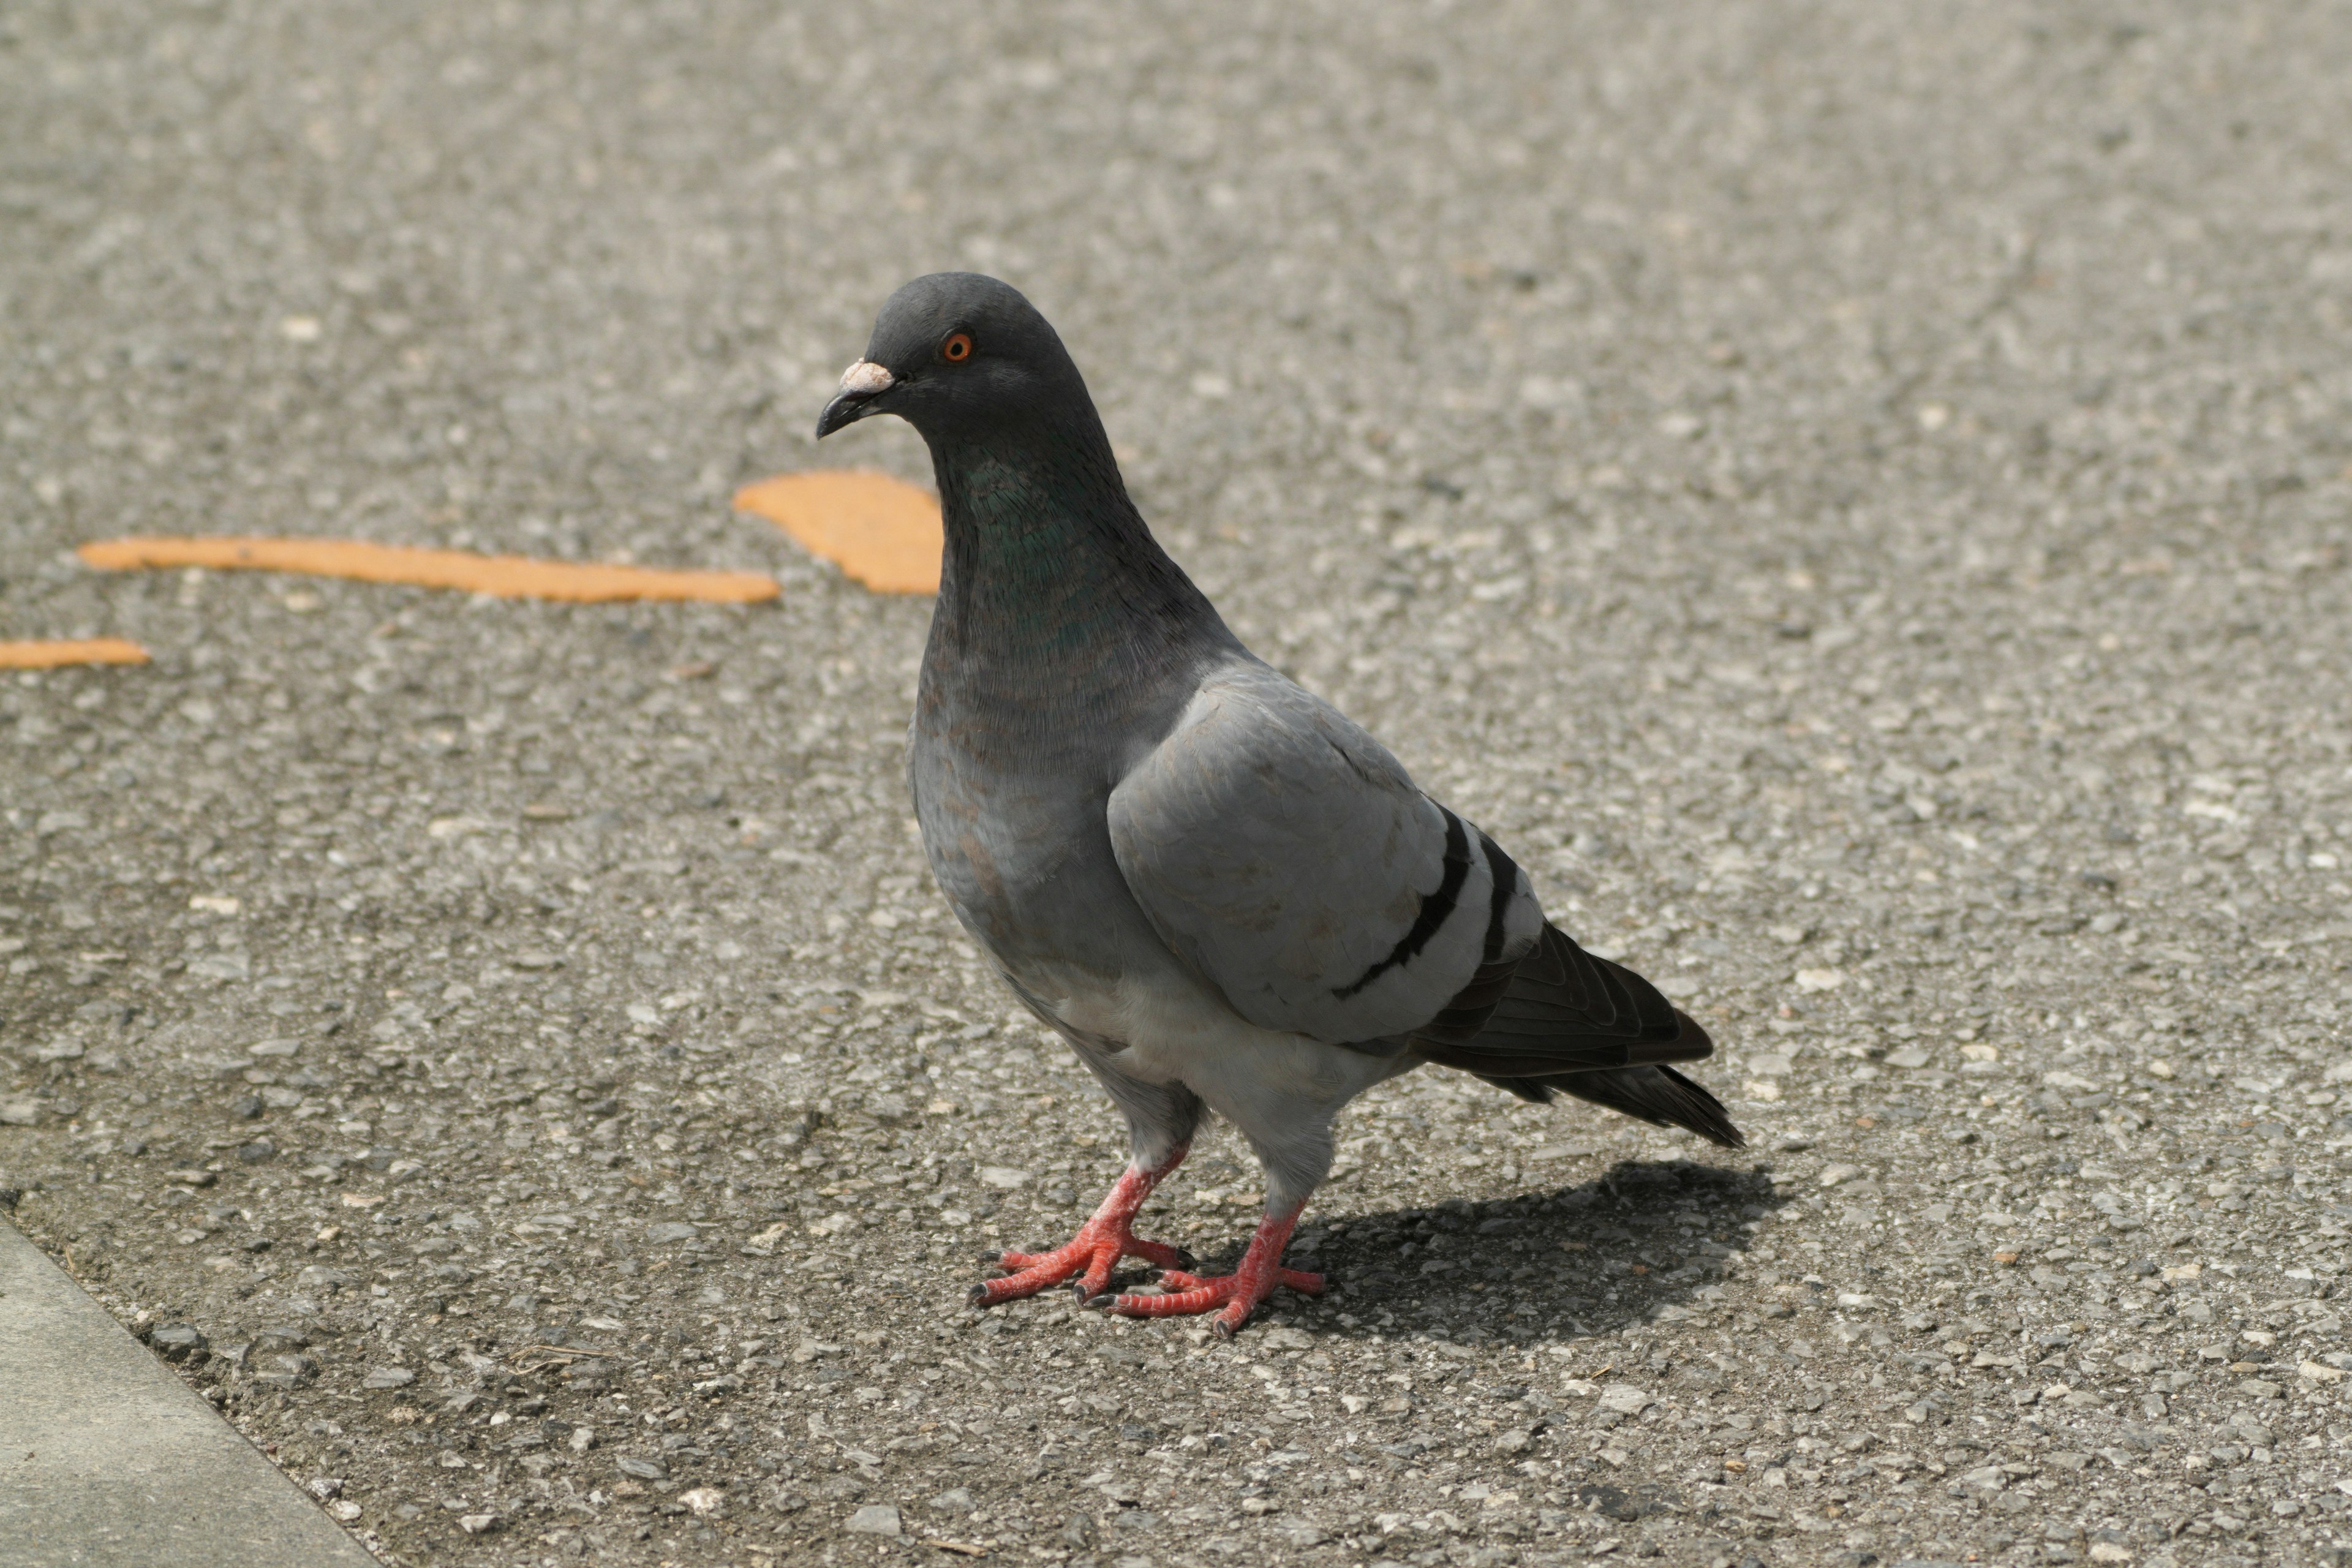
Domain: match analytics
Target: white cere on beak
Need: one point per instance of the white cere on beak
(866, 379)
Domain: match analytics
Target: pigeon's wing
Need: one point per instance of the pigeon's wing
(1287, 857)
(1283, 855)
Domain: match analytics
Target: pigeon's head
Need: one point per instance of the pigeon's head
(957, 353)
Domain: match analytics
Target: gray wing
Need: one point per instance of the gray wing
(1285, 855)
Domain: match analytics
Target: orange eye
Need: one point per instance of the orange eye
(957, 349)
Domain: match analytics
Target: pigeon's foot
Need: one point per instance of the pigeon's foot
(1095, 1250)
(1232, 1297)
(1089, 1257)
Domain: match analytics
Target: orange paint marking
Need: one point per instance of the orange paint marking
(56, 654)
(881, 531)
(508, 576)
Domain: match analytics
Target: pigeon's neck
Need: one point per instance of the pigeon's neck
(1052, 590)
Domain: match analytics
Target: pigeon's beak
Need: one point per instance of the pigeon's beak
(861, 384)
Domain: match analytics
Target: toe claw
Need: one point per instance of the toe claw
(1102, 1303)
(977, 1296)
(1222, 1329)
(1184, 1259)
(994, 1255)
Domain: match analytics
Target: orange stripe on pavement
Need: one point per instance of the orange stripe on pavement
(508, 576)
(82, 650)
(881, 531)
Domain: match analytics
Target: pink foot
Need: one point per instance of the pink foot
(1232, 1297)
(1095, 1250)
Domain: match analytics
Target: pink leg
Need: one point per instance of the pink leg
(1095, 1250)
(1238, 1293)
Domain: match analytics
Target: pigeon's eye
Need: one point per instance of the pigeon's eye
(957, 349)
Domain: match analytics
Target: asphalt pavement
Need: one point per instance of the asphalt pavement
(1855, 497)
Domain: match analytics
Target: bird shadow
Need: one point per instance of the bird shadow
(1643, 1241)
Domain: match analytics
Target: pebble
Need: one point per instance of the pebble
(875, 1519)
(1624, 1399)
(177, 1342)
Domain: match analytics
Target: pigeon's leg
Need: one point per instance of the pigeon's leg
(1098, 1247)
(1232, 1297)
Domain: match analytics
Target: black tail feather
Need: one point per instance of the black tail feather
(1571, 1023)
(1659, 1096)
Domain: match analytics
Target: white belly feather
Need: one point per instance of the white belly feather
(1281, 1090)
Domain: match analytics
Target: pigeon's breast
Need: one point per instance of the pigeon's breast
(1021, 847)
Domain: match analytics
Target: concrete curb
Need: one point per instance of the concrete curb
(107, 1459)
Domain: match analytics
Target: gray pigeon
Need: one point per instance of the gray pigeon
(1223, 894)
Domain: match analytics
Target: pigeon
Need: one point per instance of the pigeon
(1225, 896)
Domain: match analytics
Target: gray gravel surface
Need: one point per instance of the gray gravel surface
(1854, 495)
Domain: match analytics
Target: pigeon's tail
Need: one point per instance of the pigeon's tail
(1569, 1021)
(1659, 1096)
